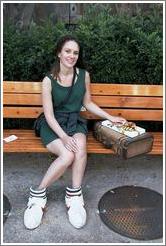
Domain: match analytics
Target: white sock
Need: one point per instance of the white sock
(73, 191)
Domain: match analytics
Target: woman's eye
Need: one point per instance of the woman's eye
(69, 51)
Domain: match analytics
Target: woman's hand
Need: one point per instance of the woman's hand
(117, 120)
(70, 143)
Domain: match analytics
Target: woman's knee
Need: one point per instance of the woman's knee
(67, 157)
(82, 149)
(59, 150)
(81, 154)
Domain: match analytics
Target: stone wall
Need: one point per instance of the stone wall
(25, 13)
(22, 14)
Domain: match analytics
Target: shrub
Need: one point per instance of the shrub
(28, 53)
(117, 48)
(121, 48)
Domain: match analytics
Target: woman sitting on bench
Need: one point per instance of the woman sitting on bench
(64, 131)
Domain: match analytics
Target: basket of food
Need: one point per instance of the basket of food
(127, 140)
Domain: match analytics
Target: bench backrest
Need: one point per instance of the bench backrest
(134, 102)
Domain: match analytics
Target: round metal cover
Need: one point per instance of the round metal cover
(133, 211)
(6, 208)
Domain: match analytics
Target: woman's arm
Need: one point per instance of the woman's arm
(95, 109)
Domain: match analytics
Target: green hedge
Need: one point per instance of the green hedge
(117, 48)
(29, 53)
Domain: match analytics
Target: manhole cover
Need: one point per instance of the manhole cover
(6, 208)
(133, 211)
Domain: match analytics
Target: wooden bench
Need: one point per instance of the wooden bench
(134, 102)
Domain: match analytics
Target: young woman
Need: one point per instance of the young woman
(64, 131)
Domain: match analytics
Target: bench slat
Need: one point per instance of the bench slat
(102, 101)
(127, 89)
(130, 114)
(96, 88)
(27, 142)
(128, 101)
(22, 99)
(22, 87)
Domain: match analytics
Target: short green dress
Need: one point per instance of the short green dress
(67, 115)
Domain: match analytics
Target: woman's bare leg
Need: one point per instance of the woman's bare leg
(38, 199)
(58, 167)
(79, 163)
(74, 197)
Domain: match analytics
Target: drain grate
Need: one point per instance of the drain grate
(135, 212)
(6, 208)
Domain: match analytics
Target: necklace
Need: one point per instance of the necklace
(66, 80)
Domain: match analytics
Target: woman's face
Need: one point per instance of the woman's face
(69, 54)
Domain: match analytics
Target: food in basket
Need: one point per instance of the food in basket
(130, 129)
(128, 126)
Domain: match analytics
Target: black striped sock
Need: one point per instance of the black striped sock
(73, 191)
(38, 193)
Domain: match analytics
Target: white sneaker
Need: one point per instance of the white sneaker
(34, 212)
(76, 211)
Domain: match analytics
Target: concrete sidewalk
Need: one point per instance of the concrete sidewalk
(103, 173)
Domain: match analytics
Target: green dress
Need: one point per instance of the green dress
(68, 115)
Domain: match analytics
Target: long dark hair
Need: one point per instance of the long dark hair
(61, 42)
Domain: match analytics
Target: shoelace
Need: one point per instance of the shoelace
(31, 205)
(34, 202)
